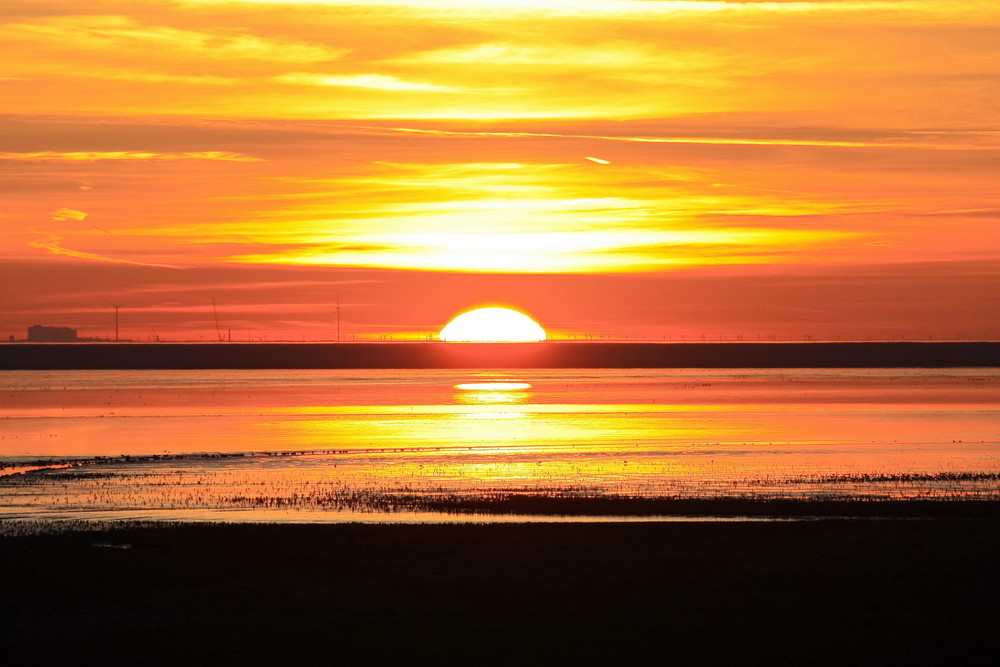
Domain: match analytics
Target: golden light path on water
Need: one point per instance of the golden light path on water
(331, 445)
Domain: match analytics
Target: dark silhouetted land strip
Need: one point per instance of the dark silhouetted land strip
(550, 354)
(531, 504)
(817, 592)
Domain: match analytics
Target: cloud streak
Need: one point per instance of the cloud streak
(372, 81)
(97, 156)
(52, 244)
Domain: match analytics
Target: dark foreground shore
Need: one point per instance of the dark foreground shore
(809, 592)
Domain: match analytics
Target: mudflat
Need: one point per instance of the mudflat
(831, 591)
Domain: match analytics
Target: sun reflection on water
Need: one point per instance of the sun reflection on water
(347, 441)
(493, 387)
(493, 398)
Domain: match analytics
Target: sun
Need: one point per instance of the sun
(493, 325)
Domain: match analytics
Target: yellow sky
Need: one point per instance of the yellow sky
(612, 137)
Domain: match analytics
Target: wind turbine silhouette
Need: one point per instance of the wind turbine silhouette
(215, 314)
(116, 306)
(338, 316)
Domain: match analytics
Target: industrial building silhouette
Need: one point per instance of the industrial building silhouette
(43, 334)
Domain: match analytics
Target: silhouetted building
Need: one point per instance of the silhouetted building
(40, 334)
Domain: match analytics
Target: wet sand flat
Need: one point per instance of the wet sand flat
(830, 591)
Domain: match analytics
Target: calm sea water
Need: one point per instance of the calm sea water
(362, 445)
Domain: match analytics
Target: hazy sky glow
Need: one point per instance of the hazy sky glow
(614, 167)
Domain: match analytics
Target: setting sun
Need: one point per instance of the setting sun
(493, 325)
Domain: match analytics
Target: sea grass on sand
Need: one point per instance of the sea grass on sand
(807, 592)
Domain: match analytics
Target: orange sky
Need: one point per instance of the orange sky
(615, 168)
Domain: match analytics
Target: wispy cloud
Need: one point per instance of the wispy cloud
(631, 8)
(986, 140)
(64, 214)
(52, 244)
(108, 34)
(95, 156)
(373, 81)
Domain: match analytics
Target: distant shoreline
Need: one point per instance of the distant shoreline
(549, 354)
